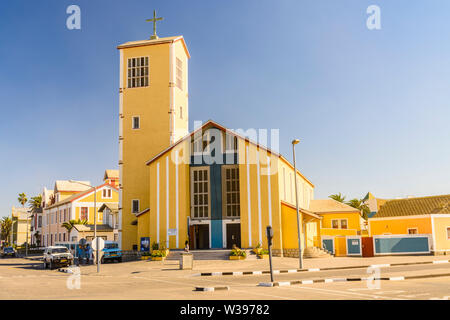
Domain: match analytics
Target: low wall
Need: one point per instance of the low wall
(402, 244)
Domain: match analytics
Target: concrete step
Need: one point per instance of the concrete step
(314, 252)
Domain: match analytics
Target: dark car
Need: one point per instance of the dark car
(8, 252)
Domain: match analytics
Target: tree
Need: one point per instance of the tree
(6, 227)
(361, 206)
(22, 199)
(35, 202)
(69, 225)
(338, 197)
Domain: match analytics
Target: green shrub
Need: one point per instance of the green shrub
(159, 253)
(238, 252)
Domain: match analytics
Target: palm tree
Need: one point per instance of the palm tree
(338, 197)
(6, 227)
(70, 224)
(22, 199)
(361, 206)
(35, 202)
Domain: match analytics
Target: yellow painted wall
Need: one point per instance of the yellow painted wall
(258, 229)
(353, 224)
(286, 191)
(440, 228)
(399, 226)
(289, 227)
(183, 199)
(65, 194)
(89, 200)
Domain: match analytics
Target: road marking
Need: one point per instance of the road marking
(380, 265)
(441, 261)
(396, 278)
(344, 293)
(314, 269)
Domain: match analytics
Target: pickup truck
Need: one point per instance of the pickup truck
(56, 257)
(111, 252)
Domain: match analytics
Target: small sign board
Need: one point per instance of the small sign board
(355, 242)
(101, 243)
(145, 244)
(172, 232)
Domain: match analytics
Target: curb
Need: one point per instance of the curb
(330, 280)
(244, 273)
(212, 288)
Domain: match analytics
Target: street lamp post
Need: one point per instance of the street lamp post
(95, 222)
(294, 142)
(26, 244)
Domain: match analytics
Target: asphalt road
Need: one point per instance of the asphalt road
(25, 279)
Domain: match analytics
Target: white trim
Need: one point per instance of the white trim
(433, 234)
(176, 198)
(258, 177)
(157, 202)
(167, 202)
(249, 202)
(405, 217)
(269, 190)
(172, 93)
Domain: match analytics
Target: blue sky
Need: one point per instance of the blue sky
(371, 107)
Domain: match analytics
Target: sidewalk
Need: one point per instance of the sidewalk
(311, 263)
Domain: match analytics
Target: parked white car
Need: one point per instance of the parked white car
(57, 257)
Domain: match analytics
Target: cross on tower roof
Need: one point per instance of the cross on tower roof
(154, 20)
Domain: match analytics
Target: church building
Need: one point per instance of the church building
(213, 187)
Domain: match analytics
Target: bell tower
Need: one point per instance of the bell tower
(153, 114)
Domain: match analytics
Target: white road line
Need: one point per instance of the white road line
(380, 265)
(441, 261)
(396, 278)
(284, 283)
(343, 293)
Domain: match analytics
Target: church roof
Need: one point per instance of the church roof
(329, 206)
(211, 123)
(141, 43)
(415, 206)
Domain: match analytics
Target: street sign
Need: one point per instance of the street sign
(101, 243)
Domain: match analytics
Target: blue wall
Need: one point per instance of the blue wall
(215, 175)
(401, 245)
(354, 248)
